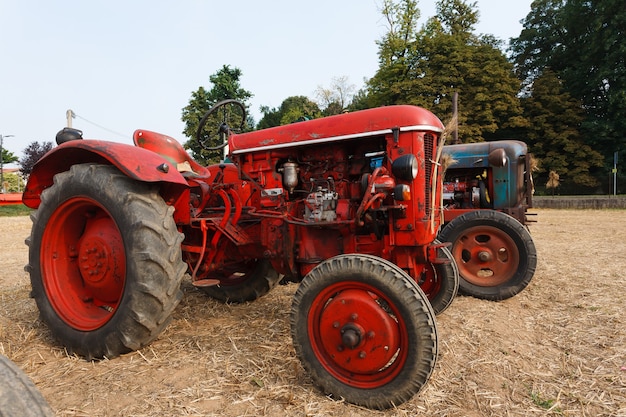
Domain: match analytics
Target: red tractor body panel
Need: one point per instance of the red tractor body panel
(140, 164)
(337, 128)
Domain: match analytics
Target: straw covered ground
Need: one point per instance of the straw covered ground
(556, 349)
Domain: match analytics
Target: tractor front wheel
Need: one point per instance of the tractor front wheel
(105, 261)
(364, 331)
(440, 281)
(494, 252)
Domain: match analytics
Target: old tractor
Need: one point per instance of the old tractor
(347, 206)
(487, 192)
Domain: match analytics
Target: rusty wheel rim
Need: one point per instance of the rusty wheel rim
(486, 256)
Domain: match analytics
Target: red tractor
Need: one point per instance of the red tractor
(347, 206)
(487, 191)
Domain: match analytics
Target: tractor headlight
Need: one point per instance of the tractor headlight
(497, 157)
(405, 167)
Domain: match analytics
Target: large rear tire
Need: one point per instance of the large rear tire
(19, 397)
(104, 261)
(364, 331)
(494, 252)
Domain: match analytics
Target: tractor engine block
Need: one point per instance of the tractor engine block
(462, 193)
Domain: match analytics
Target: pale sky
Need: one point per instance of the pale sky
(133, 64)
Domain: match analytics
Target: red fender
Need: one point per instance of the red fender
(137, 163)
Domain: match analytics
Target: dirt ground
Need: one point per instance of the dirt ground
(556, 349)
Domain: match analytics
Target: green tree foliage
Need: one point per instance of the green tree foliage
(33, 153)
(554, 136)
(582, 41)
(13, 183)
(428, 66)
(8, 156)
(360, 100)
(226, 85)
(292, 109)
(541, 39)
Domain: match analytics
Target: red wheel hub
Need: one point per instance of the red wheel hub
(357, 335)
(100, 248)
(83, 264)
(488, 256)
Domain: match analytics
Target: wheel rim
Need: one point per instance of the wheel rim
(429, 281)
(486, 256)
(357, 334)
(83, 264)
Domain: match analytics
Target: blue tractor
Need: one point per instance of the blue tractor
(487, 193)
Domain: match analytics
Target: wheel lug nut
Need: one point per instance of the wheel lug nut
(362, 355)
(484, 256)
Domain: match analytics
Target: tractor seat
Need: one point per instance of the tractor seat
(170, 149)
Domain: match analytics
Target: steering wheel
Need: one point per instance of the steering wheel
(222, 115)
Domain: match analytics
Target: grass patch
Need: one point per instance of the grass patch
(544, 403)
(14, 210)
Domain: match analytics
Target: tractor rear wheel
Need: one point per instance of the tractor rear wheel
(364, 331)
(494, 252)
(105, 261)
(250, 281)
(440, 282)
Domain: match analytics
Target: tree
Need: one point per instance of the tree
(33, 153)
(13, 182)
(582, 42)
(336, 98)
(555, 137)
(8, 156)
(292, 109)
(428, 66)
(541, 39)
(225, 86)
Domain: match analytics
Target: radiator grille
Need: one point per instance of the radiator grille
(429, 141)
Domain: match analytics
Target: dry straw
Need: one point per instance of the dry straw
(556, 349)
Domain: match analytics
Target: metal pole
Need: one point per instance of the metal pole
(455, 114)
(615, 173)
(69, 115)
(2, 161)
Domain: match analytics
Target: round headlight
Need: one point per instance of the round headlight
(405, 167)
(497, 157)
